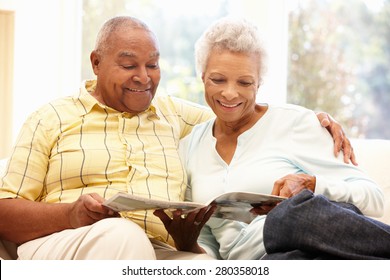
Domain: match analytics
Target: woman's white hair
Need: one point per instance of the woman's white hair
(232, 34)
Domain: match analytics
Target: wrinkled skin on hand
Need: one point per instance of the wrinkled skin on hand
(293, 184)
(288, 186)
(88, 209)
(341, 142)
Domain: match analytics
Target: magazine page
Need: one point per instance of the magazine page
(128, 202)
(232, 205)
(237, 205)
(245, 198)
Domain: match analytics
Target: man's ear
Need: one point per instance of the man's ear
(95, 61)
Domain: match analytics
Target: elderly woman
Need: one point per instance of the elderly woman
(265, 148)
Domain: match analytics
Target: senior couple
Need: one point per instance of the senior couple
(116, 135)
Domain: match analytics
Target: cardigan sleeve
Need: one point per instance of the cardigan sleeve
(312, 149)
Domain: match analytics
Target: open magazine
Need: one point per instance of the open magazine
(231, 205)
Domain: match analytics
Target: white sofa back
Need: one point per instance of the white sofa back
(373, 156)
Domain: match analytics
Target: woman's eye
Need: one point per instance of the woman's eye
(245, 84)
(153, 66)
(128, 67)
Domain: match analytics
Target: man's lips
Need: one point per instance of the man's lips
(138, 90)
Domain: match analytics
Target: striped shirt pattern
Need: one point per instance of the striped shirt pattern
(75, 145)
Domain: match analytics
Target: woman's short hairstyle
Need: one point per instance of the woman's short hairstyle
(232, 34)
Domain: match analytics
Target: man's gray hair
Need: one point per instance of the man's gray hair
(114, 24)
(232, 34)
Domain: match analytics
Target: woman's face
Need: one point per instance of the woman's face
(231, 81)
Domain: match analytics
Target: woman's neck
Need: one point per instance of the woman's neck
(227, 134)
(240, 126)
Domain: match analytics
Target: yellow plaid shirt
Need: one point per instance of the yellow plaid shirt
(76, 145)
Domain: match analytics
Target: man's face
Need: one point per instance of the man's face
(128, 72)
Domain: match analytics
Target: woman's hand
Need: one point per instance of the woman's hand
(341, 142)
(293, 184)
(262, 209)
(288, 186)
(185, 228)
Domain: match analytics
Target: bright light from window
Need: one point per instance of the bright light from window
(196, 8)
(374, 5)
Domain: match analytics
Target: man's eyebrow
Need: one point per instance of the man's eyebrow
(131, 54)
(127, 54)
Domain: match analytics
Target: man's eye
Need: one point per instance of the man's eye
(128, 67)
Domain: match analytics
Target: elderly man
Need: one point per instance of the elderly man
(113, 136)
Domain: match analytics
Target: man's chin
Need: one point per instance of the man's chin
(138, 104)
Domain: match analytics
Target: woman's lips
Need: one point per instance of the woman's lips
(229, 105)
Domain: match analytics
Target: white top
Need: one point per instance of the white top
(288, 139)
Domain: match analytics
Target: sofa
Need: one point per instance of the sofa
(373, 156)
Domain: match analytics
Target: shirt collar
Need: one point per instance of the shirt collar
(86, 102)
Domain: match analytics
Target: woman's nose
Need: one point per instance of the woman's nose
(229, 92)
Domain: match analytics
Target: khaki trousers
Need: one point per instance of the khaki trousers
(108, 239)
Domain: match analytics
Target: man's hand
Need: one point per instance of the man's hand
(341, 142)
(23, 220)
(87, 210)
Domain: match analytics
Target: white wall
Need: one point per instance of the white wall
(47, 53)
(7, 19)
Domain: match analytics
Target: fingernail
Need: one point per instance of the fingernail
(324, 122)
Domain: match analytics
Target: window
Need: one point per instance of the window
(338, 62)
(327, 55)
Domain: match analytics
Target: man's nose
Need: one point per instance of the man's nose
(142, 76)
